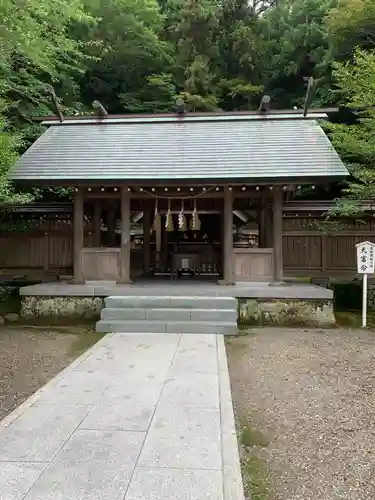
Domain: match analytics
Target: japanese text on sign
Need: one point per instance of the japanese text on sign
(366, 258)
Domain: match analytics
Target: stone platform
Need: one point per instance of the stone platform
(259, 303)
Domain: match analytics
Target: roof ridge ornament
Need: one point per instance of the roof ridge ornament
(265, 104)
(56, 103)
(180, 106)
(309, 93)
(100, 109)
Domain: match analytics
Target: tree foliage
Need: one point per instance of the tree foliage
(356, 83)
(138, 56)
(36, 50)
(350, 24)
(130, 58)
(296, 47)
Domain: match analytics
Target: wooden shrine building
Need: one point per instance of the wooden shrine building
(180, 186)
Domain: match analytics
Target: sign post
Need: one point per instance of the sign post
(365, 266)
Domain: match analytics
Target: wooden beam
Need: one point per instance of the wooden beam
(239, 193)
(125, 238)
(78, 228)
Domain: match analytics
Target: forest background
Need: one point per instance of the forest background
(138, 56)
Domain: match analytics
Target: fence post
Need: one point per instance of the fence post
(46, 257)
(324, 252)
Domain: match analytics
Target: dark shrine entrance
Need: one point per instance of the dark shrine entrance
(188, 251)
(165, 242)
(195, 233)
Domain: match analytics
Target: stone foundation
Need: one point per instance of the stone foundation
(284, 312)
(251, 311)
(61, 307)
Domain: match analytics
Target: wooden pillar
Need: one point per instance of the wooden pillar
(164, 249)
(97, 222)
(111, 223)
(262, 221)
(158, 230)
(277, 206)
(125, 237)
(269, 226)
(78, 236)
(228, 237)
(146, 239)
(46, 248)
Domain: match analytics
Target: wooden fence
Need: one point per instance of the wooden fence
(309, 251)
(47, 249)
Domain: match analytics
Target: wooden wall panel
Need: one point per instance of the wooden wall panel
(252, 264)
(48, 249)
(302, 251)
(60, 251)
(22, 251)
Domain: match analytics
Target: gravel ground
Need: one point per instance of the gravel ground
(311, 393)
(30, 357)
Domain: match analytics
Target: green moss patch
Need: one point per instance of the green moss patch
(257, 483)
(252, 437)
(256, 476)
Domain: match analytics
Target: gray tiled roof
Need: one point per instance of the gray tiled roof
(246, 149)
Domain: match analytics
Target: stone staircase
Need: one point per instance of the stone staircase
(163, 314)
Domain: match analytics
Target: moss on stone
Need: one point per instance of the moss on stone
(286, 312)
(61, 307)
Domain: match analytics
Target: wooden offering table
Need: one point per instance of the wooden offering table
(185, 263)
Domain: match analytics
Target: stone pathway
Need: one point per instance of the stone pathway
(137, 417)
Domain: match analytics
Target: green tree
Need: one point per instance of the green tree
(36, 50)
(195, 54)
(241, 57)
(351, 25)
(132, 62)
(8, 156)
(355, 143)
(295, 34)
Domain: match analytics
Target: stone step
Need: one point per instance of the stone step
(137, 302)
(169, 314)
(147, 326)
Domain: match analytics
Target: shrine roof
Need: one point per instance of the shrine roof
(248, 147)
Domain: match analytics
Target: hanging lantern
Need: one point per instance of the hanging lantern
(195, 223)
(182, 218)
(169, 219)
(156, 226)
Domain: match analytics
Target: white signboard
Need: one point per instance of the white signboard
(365, 266)
(366, 257)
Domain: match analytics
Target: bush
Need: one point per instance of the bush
(347, 296)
